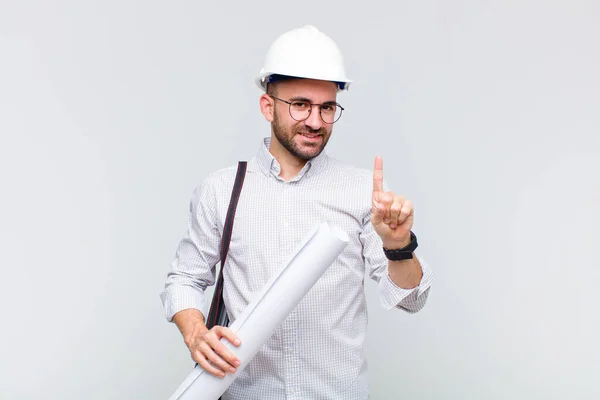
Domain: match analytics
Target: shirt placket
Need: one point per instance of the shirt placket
(290, 326)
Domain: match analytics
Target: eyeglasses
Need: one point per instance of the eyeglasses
(300, 110)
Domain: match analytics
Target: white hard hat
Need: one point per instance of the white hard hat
(304, 53)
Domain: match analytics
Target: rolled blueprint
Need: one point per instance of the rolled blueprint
(279, 296)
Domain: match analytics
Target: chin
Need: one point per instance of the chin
(309, 152)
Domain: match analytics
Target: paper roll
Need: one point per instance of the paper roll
(279, 296)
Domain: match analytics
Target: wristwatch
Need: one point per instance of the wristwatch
(405, 253)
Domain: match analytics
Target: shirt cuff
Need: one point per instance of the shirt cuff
(411, 300)
(181, 298)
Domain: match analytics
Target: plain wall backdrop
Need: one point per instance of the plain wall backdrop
(486, 114)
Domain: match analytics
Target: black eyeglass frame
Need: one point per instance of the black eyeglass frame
(310, 109)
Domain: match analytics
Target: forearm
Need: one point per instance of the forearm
(406, 274)
(190, 322)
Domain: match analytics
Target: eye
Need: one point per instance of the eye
(300, 105)
(328, 107)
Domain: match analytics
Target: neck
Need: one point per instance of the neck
(290, 164)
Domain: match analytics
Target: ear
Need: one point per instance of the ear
(266, 107)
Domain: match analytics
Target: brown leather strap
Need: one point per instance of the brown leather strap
(217, 314)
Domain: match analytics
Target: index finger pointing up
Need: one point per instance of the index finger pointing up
(378, 175)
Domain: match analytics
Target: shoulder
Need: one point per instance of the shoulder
(349, 173)
(216, 184)
(356, 176)
(221, 176)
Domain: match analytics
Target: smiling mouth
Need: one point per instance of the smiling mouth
(310, 135)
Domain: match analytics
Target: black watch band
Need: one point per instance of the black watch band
(405, 253)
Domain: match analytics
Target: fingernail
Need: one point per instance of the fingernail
(222, 376)
(386, 220)
(392, 226)
(232, 370)
(237, 342)
(236, 363)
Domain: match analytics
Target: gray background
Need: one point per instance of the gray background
(486, 114)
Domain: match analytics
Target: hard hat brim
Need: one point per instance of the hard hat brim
(263, 78)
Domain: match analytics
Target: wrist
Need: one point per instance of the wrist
(400, 250)
(189, 321)
(398, 243)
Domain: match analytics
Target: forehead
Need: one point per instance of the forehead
(312, 89)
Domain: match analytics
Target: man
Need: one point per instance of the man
(290, 186)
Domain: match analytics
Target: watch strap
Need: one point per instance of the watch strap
(405, 253)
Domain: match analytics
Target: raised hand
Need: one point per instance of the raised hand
(392, 215)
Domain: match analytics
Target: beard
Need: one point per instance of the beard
(286, 137)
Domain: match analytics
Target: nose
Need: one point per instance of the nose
(314, 119)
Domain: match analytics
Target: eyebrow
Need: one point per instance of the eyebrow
(300, 98)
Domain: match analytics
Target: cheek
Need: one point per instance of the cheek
(285, 123)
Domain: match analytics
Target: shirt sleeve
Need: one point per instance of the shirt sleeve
(193, 268)
(376, 263)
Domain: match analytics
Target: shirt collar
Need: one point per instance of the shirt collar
(270, 165)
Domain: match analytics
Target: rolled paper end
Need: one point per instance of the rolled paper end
(336, 231)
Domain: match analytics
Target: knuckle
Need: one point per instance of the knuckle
(207, 367)
(200, 359)
(219, 333)
(205, 348)
(219, 349)
(193, 343)
(212, 337)
(202, 362)
(227, 331)
(213, 358)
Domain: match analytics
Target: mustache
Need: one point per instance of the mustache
(320, 131)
